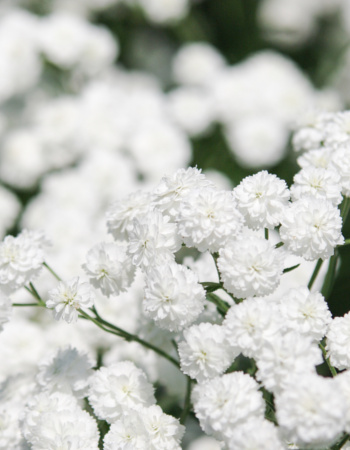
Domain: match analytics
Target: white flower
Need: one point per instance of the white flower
(65, 429)
(338, 342)
(68, 297)
(144, 428)
(224, 402)
(109, 267)
(311, 412)
(255, 433)
(173, 296)
(340, 162)
(164, 431)
(205, 352)
(173, 190)
(343, 381)
(250, 323)
(153, 239)
(121, 214)
(257, 140)
(320, 157)
(317, 183)
(208, 219)
(67, 371)
(311, 228)
(44, 403)
(197, 63)
(21, 259)
(118, 388)
(285, 355)
(127, 433)
(250, 266)
(5, 309)
(262, 198)
(306, 312)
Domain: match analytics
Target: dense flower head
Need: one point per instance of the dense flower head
(338, 342)
(208, 219)
(173, 297)
(311, 412)
(317, 183)
(21, 259)
(250, 266)
(153, 240)
(255, 433)
(173, 190)
(262, 198)
(284, 356)
(56, 421)
(340, 162)
(5, 309)
(118, 388)
(147, 427)
(109, 267)
(205, 352)
(311, 228)
(306, 312)
(67, 371)
(250, 323)
(318, 158)
(224, 402)
(68, 297)
(121, 213)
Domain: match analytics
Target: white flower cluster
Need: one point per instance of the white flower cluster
(258, 101)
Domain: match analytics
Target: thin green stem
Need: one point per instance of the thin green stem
(187, 405)
(34, 293)
(330, 275)
(279, 244)
(266, 233)
(221, 305)
(215, 258)
(131, 337)
(211, 287)
(331, 368)
(52, 271)
(346, 242)
(341, 443)
(26, 304)
(315, 273)
(344, 208)
(289, 269)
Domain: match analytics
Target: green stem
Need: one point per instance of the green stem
(344, 208)
(221, 305)
(329, 279)
(187, 405)
(315, 273)
(266, 233)
(26, 304)
(279, 244)
(35, 294)
(211, 287)
(331, 368)
(346, 242)
(341, 443)
(289, 269)
(52, 271)
(132, 337)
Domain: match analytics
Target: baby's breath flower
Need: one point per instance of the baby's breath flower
(250, 266)
(68, 297)
(109, 267)
(262, 198)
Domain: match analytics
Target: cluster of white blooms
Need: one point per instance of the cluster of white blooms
(68, 297)
(21, 259)
(257, 101)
